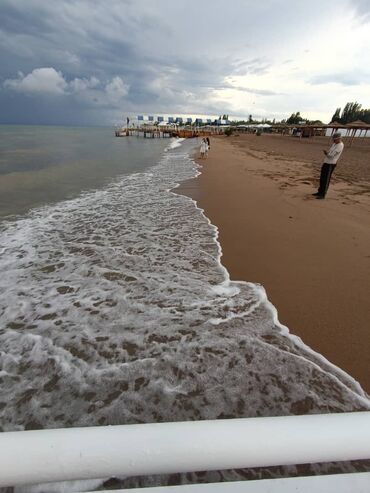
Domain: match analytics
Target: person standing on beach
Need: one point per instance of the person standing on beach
(203, 149)
(332, 156)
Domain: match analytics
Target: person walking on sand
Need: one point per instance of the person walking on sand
(203, 149)
(332, 156)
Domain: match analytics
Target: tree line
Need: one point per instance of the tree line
(351, 112)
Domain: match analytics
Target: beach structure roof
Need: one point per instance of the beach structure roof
(358, 123)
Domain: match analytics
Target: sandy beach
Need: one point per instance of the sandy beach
(312, 257)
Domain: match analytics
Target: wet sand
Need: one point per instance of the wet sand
(312, 256)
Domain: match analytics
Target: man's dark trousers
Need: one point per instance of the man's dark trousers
(326, 172)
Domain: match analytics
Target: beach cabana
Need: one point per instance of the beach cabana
(355, 129)
(359, 125)
(335, 126)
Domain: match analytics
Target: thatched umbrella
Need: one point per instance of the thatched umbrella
(358, 125)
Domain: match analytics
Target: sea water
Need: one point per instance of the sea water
(115, 307)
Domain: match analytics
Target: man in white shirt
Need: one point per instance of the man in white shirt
(332, 156)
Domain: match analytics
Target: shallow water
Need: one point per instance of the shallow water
(115, 309)
(44, 164)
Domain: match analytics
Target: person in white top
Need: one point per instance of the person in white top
(203, 149)
(332, 156)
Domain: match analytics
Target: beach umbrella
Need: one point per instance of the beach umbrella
(358, 125)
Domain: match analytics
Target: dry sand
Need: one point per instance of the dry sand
(312, 256)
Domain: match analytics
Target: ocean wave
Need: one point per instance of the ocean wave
(174, 144)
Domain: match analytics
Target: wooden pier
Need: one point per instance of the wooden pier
(154, 132)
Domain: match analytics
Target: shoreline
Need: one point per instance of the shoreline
(272, 232)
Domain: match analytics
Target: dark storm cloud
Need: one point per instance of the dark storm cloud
(174, 63)
(84, 39)
(102, 59)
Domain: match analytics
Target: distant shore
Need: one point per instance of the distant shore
(311, 256)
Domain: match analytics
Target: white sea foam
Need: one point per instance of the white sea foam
(175, 143)
(116, 309)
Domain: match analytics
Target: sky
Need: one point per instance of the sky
(94, 62)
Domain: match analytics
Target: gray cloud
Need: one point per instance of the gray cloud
(345, 79)
(260, 92)
(362, 8)
(59, 47)
(259, 65)
(92, 61)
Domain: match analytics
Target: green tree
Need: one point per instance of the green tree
(336, 116)
(295, 119)
(351, 112)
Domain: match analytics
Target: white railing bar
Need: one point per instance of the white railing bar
(28, 457)
(333, 483)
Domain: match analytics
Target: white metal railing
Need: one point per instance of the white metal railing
(101, 452)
